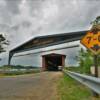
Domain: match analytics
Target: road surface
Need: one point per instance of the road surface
(41, 86)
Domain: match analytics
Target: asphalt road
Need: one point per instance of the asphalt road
(41, 86)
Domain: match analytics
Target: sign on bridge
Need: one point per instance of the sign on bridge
(92, 41)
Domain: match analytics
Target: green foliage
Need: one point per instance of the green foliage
(75, 69)
(19, 72)
(98, 61)
(18, 67)
(85, 59)
(3, 42)
(96, 21)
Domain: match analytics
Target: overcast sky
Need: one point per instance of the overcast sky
(21, 20)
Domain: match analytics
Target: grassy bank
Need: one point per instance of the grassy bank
(9, 73)
(75, 69)
(69, 89)
(81, 70)
(17, 70)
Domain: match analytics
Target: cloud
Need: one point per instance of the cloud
(13, 6)
(24, 19)
(28, 18)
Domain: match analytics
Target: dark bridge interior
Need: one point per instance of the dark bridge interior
(52, 63)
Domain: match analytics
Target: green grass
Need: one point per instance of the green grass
(75, 69)
(79, 70)
(69, 89)
(16, 70)
(19, 73)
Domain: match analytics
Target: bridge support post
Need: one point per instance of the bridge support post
(9, 59)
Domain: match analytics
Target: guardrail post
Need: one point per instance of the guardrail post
(96, 72)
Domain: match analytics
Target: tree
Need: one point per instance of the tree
(3, 42)
(85, 59)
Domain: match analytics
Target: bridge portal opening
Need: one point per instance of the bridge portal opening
(52, 62)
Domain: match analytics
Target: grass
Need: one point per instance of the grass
(69, 89)
(19, 72)
(79, 70)
(75, 69)
(13, 70)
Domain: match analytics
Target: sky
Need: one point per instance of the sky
(21, 20)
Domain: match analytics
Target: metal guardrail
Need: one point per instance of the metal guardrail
(92, 82)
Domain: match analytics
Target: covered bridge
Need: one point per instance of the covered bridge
(46, 41)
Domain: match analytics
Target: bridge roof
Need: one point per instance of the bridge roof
(49, 40)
